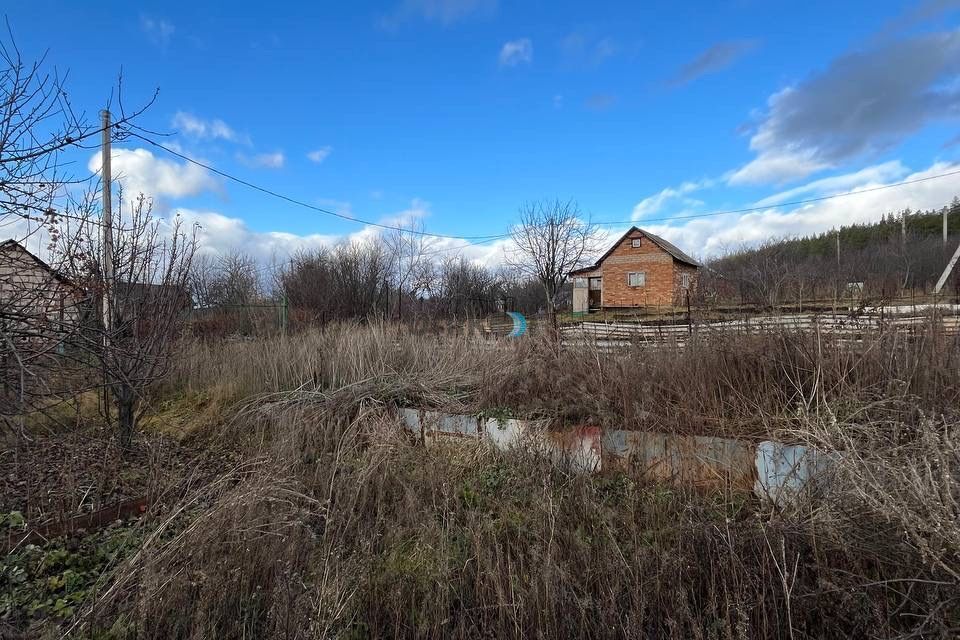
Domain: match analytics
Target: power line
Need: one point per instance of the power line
(307, 205)
(785, 204)
(487, 238)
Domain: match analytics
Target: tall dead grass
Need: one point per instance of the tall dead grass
(339, 526)
(738, 385)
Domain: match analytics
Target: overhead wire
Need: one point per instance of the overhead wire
(483, 239)
(792, 203)
(307, 205)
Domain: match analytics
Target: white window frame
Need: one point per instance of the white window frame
(685, 280)
(641, 280)
(636, 243)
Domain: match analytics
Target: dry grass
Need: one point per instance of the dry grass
(732, 385)
(336, 525)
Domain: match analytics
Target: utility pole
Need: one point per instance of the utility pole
(836, 291)
(946, 212)
(106, 223)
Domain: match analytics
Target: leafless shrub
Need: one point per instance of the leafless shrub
(552, 239)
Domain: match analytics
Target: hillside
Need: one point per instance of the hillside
(902, 253)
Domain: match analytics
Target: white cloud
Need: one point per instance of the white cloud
(220, 234)
(712, 236)
(870, 176)
(158, 31)
(274, 160)
(214, 129)
(655, 203)
(139, 171)
(319, 155)
(516, 52)
(778, 166)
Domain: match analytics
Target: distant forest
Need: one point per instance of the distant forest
(901, 255)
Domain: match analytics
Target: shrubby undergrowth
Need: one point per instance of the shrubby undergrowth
(334, 523)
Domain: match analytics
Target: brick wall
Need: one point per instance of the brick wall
(679, 293)
(648, 258)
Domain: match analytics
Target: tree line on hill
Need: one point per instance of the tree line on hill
(901, 255)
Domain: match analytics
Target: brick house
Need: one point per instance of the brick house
(37, 303)
(639, 270)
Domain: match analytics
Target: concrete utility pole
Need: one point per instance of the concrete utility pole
(106, 223)
(946, 212)
(946, 272)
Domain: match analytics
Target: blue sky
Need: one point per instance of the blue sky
(457, 111)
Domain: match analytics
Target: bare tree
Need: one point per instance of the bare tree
(552, 239)
(348, 281)
(148, 299)
(463, 289)
(410, 251)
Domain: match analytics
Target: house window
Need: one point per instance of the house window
(685, 280)
(580, 283)
(635, 243)
(595, 284)
(637, 279)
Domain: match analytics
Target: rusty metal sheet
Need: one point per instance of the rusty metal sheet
(697, 461)
(579, 449)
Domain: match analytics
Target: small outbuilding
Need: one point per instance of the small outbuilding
(640, 270)
(37, 302)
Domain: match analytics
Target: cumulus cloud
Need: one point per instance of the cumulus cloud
(655, 203)
(139, 171)
(864, 103)
(319, 155)
(274, 160)
(442, 12)
(716, 58)
(157, 30)
(870, 176)
(516, 52)
(712, 236)
(214, 129)
(221, 234)
(778, 166)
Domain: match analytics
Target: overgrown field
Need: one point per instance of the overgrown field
(288, 503)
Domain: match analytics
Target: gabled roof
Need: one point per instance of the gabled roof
(670, 248)
(13, 244)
